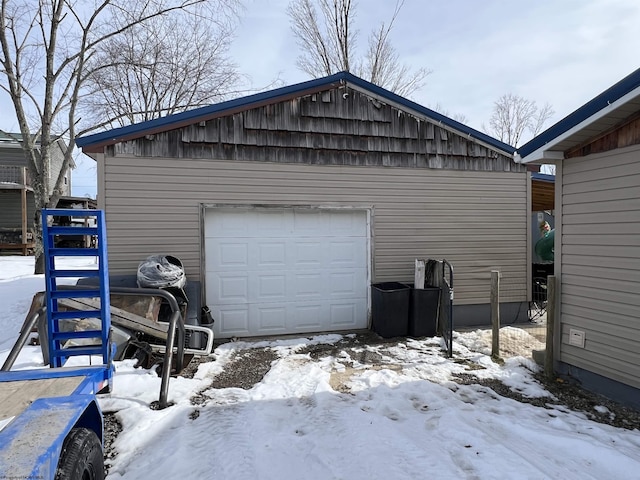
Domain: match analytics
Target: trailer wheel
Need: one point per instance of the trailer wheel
(81, 457)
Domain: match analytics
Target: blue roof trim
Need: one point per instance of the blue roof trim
(612, 94)
(139, 129)
(195, 114)
(543, 176)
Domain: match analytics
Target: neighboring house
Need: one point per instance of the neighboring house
(596, 151)
(16, 192)
(287, 205)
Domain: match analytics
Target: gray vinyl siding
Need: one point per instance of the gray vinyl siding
(600, 263)
(11, 209)
(476, 220)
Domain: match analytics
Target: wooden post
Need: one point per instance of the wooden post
(495, 314)
(551, 320)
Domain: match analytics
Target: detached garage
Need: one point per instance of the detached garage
(287, 205)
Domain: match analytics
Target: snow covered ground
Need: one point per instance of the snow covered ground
(335, 416)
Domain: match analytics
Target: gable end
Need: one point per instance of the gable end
(339, 126)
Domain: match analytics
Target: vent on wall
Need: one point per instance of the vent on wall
(576, 338)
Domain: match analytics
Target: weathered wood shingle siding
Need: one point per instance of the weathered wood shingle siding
(477, 220)
(600, 262)
(357, 130)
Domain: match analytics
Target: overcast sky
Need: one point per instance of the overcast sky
(561, 52)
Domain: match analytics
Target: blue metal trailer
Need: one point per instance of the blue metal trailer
(51, 426)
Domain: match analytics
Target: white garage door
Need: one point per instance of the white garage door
(292, 270)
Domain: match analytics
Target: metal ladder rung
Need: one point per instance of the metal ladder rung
(74, 252)
(76, 351)
(66, 212)
(72, 314)
(84, 293)
(74, 335)
(74, 273)
(65, 230)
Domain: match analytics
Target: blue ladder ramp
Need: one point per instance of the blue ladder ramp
(61, 345)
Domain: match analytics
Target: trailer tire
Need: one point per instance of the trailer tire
(81, 457)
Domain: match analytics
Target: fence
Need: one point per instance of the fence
(521, 339)
(14, 174)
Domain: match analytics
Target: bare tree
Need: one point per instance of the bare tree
(514, 115)
(458, 117)
(47, 47)
(160, 67)
(328, 40)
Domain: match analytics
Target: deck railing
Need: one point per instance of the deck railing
(14, 174)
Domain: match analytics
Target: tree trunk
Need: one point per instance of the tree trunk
(40, 199)
(38, 250)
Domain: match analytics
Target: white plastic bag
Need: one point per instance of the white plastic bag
(161, 271)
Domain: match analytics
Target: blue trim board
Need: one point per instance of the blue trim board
(609, 96)
(272, 96)
(543, 177)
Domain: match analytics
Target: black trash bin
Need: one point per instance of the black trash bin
(424, 306)
(390, 309)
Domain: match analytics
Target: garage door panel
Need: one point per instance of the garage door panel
(230, 288)
(308, 223)
(347, 283)
(231, 320)
(347, 223)
(270, 222)
(233, 223)
(290, 270)
(226, 255)
(307, 316)
(306, 254)
(344, 315)
(267, 287)
(268, 318)
(270, 254)
(347, 252)
(308, 285)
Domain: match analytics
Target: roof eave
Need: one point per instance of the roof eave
(421, 111)
(542, 149)
(95, 143)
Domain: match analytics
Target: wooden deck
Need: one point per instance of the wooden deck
(16, 396)
(25, 247)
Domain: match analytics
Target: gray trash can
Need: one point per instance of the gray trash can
(390, 309)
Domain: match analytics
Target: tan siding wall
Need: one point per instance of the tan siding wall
(601, 263)
(476, 220)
